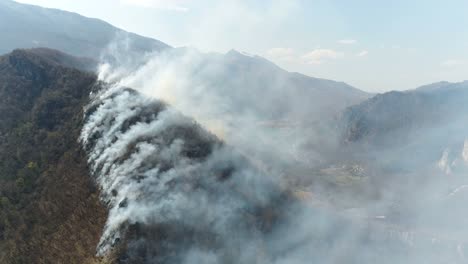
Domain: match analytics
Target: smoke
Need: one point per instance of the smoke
(255, 186)
(157, 168)
(246, 101)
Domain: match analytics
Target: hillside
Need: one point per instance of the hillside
(380, 117)
(171, 187)
(49, 209)
(284, 95)
(50, 206)
(414, 146)
(28, 26)
(128, 178)
(427, 121)
(117, 148)
(235, 85)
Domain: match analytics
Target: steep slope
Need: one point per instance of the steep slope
(49, 210)
(236, 80)
(28, 26)
(431, 117)
(174, 192)
(173, 189)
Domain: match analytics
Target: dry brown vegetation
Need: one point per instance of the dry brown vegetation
(49, 208)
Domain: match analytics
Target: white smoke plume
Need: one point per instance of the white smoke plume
(177, 194)
(156, 167)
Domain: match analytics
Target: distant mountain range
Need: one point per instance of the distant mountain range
(92, 170)
(414, 140)
(393, 119)
(29, 26)
(168, 188)
(246, 83)
(256, 85)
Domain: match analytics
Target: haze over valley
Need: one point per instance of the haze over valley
(120, 148)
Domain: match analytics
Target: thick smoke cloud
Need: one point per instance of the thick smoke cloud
(157, 168)
(177, 194)
(246, 101)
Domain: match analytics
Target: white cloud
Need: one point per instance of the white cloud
(347, 41)
(452, 63)
(281, 54)
(362, 53)
(318, 56)
(173, 5)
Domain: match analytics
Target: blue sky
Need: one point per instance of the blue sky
(373, 45)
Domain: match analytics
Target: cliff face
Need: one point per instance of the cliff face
(49, 209)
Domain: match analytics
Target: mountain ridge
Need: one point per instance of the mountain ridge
(62, 30)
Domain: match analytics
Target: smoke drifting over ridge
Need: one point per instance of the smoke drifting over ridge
(195, 197)
(268, 113)
(177, 194)
(159, 170)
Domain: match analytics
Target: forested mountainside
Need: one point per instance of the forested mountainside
(100, 173)
(130, 151)
(49, 207)
(234, 90)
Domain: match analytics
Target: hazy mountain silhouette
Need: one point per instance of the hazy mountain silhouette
(29, 26)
